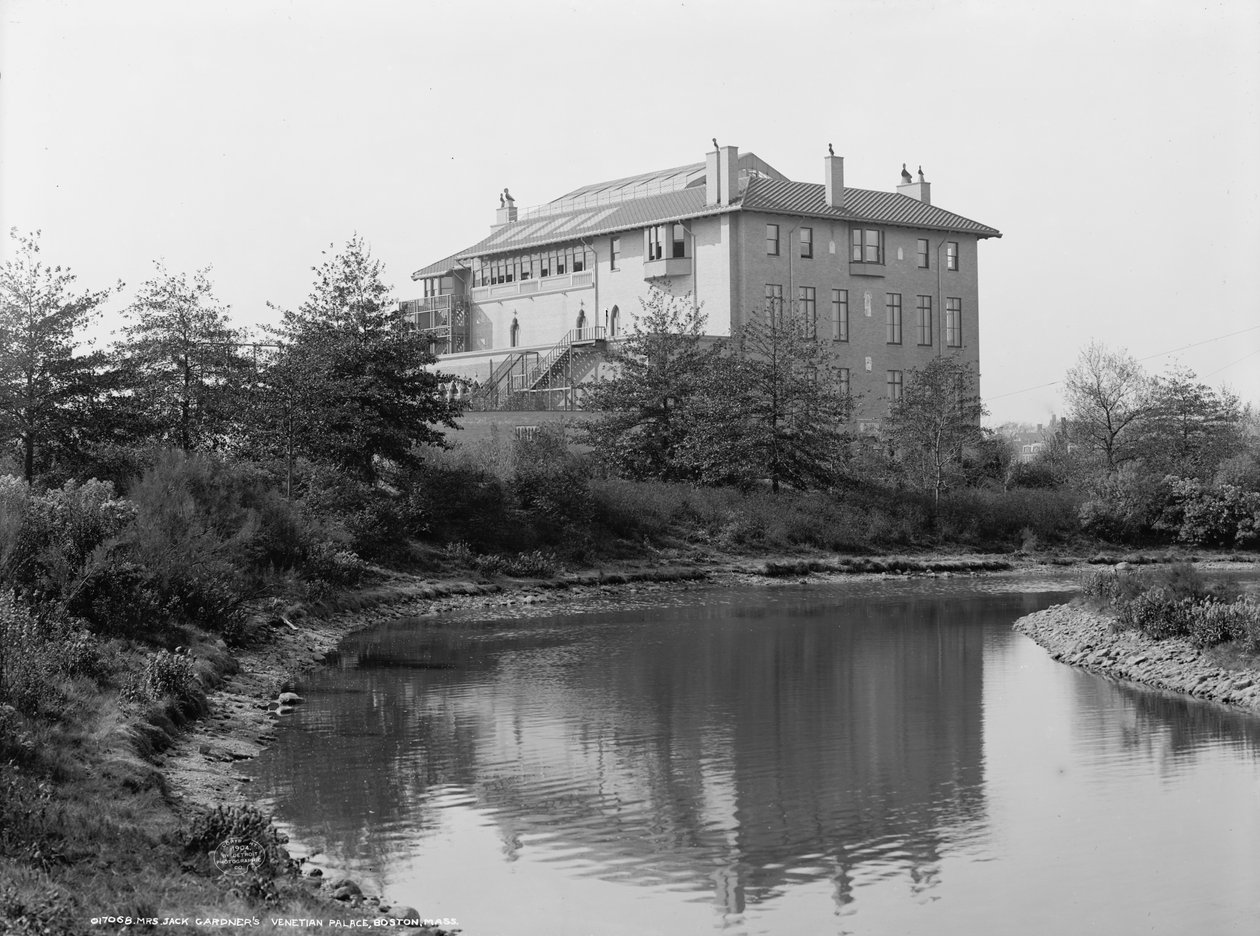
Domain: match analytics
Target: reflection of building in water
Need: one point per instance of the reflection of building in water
(752, 755)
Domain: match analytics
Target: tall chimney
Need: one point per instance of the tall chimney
(833, 178)
(712, 190)
(919, 191)
(728, 174)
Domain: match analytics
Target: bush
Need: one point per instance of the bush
(1206, 515)
(166, 676)
(35, 652)
(1158, 614)
(1215, 622)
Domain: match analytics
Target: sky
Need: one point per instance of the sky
(1115, 144)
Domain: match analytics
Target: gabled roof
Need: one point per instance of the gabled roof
(808, 198)
(622, 204)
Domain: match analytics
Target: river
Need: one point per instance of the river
(869, 756)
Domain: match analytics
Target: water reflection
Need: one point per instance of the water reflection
(740, 751)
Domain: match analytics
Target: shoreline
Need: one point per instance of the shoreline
(1082, 637)
(199, 768)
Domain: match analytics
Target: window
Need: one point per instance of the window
(953, 323)
(892, 305)
(951, 255)
(894, 385)
(655, 249)
(516, 333)
(678, 245)
(923, 253)
(868, 246)
(809, 309)
(772, 240)
(924, 305)
(844, 380)
(840, 315)
(614, 322)
(614, 252)
(774, 299)
(807, 242)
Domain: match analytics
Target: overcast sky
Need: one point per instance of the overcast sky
(1115, 144)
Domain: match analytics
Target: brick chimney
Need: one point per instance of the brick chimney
(721, 175)
(919, 191)
(833, 178)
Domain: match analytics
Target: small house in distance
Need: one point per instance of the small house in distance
(524, 317)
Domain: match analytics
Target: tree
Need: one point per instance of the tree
(183, 361)
(1191, 428)
(1109, 400)
(773, 406)
(935, 421)
(660, 366)
(46, 389)
(350, 385)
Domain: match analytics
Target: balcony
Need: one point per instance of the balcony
(432, 312)
(667, 268)
(584, 279)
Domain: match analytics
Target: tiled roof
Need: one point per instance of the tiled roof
(807, 198)
(760, 193)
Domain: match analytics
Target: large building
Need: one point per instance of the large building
(525, 314)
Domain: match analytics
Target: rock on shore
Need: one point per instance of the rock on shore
(1083, 637)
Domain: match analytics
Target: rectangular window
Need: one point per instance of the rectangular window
(953, 322)
(807, 242)
(840, 315)
(868, 246)
(894, 385)
(774, 298)
(924, 305)
(678, 245)
(951, 255)
(892, 305)
(809, 309)
(772, 240)
(923, 253)
(655, 247)
(614, 252)
(579, 259)
(844, 381)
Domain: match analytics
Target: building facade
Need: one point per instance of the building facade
(888, 279)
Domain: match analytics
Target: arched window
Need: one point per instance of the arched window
(515, 333)
(581, 319)
(613, 322)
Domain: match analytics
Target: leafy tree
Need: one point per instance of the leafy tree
(47, 391)
(1191, 428)
(350, 386)
(1109, 401)
(935, 421)
(183, 361)
(660, 366)
(773, 406)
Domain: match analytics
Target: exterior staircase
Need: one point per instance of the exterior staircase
(527, 380)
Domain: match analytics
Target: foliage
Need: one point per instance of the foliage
(1109, 401)
(1191, 429)
(1211, 515)
(165, 676)
(182, 362)
(772, 406)
(350, 385)
(46, 389)
(936, 419)
(34, 651)
(659, 369)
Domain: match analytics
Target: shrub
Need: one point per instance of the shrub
(1206, 515)
(166, 676)
(535, 564)
(35, 651)
(1158, 614)
(1216, 622)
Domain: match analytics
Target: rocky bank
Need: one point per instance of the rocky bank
(1083, 637)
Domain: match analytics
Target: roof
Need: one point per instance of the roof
(809, 198)
(608, 207)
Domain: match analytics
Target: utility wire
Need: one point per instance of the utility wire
(1241, 331)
